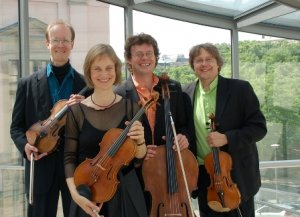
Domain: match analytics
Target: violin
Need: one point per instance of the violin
(45, 134)
(117, 150)
(222, 194)
(170, 176)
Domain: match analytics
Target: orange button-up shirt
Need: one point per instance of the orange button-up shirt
(145, 95)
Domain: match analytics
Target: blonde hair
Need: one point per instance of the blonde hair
(96, 51)
(59, 22)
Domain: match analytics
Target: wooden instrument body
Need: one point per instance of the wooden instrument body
(221, 183)
(45, 134)
(156, 182)
(101, 172)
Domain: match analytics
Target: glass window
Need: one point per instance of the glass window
(174, 43)
(9, 71)
(11, 175)
(272, 66)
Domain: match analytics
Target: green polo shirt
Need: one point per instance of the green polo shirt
(204, 105)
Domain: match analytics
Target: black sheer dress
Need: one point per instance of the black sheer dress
(85, 128)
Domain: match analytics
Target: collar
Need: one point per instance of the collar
(49, 71)
(212, 86)
(138, 86)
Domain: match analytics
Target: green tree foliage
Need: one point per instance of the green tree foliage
(273, 69)
(182, 73)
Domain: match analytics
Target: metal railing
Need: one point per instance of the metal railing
(12, 195)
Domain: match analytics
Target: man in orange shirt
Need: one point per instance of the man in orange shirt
(142, 54)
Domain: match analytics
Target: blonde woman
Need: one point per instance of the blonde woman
(88, 121)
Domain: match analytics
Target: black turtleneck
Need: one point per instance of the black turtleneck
(61, 71)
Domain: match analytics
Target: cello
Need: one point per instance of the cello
(222, 194)
(169, 177)
(117, 150)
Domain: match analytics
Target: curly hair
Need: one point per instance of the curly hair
(140, 39)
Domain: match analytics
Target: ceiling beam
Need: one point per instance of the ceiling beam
(262, 13)
(141, 1)
(291, 3)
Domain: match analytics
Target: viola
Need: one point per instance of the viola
(45, 134)
(170, 176)
(117, 150)
(222, 194)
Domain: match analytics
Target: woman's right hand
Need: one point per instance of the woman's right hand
(88, 206)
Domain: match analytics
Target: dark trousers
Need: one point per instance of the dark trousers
(45, 205)
(246, 207)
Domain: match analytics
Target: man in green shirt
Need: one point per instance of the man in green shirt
(239, 125)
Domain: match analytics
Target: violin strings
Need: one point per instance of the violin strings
(116, 145)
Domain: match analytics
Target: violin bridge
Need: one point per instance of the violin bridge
(101, 167)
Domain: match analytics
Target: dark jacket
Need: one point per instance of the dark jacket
(239, 117)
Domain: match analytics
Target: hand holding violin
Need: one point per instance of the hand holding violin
(136, 133)
(29, 149)
(216, 139)
(75, 98)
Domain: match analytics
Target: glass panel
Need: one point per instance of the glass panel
(12, 200)
(9, 71)
(174, 44)
(11, 177)
(223, 7)
(272, 67)
(88, 18)
(116, 28)
(281, 186)
(291, 19)
(117, 35)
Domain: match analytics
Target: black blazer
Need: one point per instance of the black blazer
(33, 103)
(238, 115)
(127, 90)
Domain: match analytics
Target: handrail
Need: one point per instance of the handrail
(11, 167)
(279, 164)
(277, 206)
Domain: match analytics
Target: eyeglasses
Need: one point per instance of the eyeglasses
(203, 62)
(140, 55)
(57, 42)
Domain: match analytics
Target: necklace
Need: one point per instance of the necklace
(104, 106)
